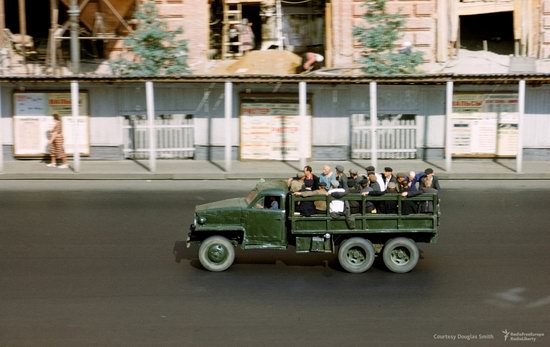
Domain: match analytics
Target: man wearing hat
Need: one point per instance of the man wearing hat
(296, 183)
(336, 206)
(418, 178)
(435, 182)
(354, 180)
(339, 207)
(386, 177)
(389, 206)
(370, 169)
(341, 177)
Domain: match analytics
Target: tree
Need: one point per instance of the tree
(379, 37)
(154, 49)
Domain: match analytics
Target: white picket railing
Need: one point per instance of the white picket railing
(395, 137)
(174, 134)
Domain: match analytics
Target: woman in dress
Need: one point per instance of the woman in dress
(56, 140)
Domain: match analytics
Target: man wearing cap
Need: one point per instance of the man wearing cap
(435, 182)
(296, 183)
(389, 206)
(339, 207)
(418, 178)
(354, 180)
(386, 177)
(336, 206)
(341, 177)
(370, 169)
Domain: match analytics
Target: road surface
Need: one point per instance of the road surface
(90, 263)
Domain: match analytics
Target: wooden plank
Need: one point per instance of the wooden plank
(472, 8)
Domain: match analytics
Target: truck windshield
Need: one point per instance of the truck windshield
(251, 196)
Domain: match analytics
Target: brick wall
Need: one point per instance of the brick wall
(192, 16)
(545, 28)
(420, 23)
(420, 27)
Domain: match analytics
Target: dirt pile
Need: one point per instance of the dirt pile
(270, 62)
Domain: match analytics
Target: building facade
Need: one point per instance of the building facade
(512, 33)
(190, 112)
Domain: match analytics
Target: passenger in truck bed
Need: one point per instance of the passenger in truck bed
(320, 205)
(389, 206)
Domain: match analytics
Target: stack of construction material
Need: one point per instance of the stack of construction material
(269, 62)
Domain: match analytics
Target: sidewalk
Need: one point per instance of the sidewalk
(502, 169)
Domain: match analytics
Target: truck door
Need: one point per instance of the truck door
(265, 223)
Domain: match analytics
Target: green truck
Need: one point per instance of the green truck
(255, 222)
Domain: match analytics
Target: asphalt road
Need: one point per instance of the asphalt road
(90, 263)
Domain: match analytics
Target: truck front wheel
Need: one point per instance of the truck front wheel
(216, 253)
(356, 255)
(400, 255)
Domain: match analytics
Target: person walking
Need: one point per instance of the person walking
(56, 143)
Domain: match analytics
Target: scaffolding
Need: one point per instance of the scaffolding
(231, 36)
(96, 20)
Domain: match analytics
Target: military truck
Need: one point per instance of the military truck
(251, 222)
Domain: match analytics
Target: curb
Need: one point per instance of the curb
(238, 176)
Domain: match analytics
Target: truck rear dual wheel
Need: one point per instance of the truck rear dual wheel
(356, 255)
(400, 255)
(216, 253)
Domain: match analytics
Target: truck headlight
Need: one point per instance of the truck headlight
(201, 220)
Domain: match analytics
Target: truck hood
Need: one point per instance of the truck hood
(228, 203)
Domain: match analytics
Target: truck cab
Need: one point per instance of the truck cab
(267, 218)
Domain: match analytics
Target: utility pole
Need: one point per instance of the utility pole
(279, 14)
(23, 29)
(3, 50)
(74, 12)
(2, 23)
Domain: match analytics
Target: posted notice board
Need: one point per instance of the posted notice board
(274, 131)
(484, 125)
(32, 122)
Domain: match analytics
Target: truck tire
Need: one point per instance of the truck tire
(400, 255)
(216, 253)
(356, 255)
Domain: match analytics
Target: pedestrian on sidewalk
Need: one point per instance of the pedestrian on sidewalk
(56, 143)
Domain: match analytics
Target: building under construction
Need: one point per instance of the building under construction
(484, 93)
(37, 34)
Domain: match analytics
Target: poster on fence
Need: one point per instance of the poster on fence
(32, 122)
(507, 144)
(30, 135)
(274, 131)
(484, 125)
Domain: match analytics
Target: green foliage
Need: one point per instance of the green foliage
(155, 48)
(378, 39)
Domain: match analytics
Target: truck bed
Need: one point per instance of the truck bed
(421, 227)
